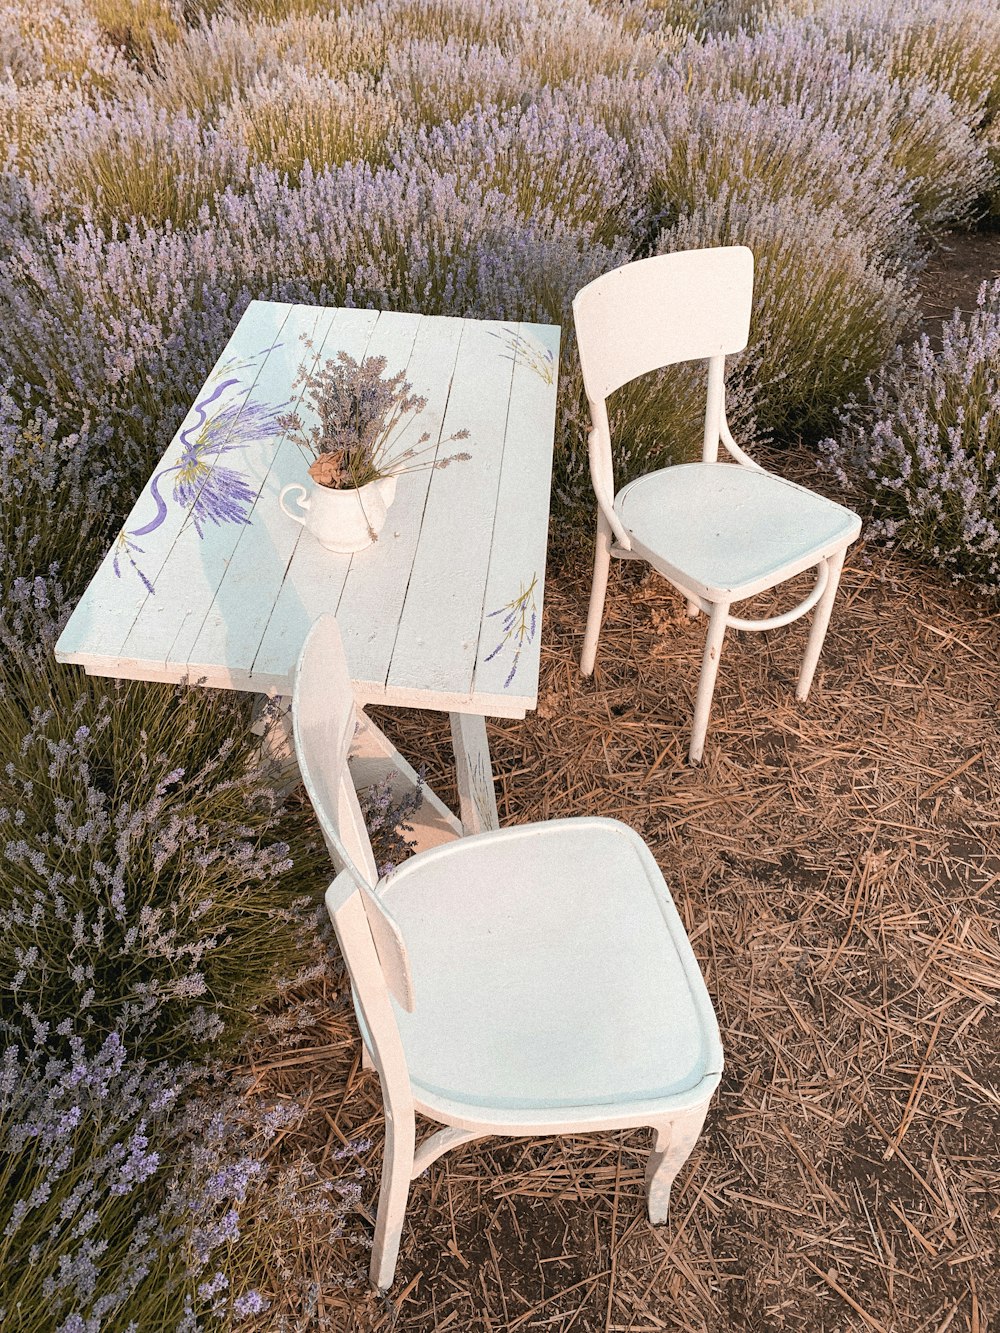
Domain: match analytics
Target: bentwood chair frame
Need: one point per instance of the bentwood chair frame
(531, 980)
(718, 533)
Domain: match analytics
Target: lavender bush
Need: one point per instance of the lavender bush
(105, 163)
(137, 26)
(557, 168)
(924, 447)
(124, 871)
(950, 44)
(305, 117)
(62, 41)
(695, 148)
(827, 310)
(80, 1144)
(911, 126)
(128, 1202)
(212, 62)
(435, 82)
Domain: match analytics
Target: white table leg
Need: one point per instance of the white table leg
(476, 794)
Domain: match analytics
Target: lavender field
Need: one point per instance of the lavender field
(167, 161)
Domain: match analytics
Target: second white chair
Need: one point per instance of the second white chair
(718, 533)
(532, 980)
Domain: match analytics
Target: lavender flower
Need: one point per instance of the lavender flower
(386, 820)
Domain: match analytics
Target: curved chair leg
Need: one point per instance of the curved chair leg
(706, 684)
(397, 1171)
(821, 620)
(598, 592)
(672, 1148)
(693, 610)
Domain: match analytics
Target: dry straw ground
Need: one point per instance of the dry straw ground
(837, 865)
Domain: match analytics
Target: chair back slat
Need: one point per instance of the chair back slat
(323, 722)
(688, 306)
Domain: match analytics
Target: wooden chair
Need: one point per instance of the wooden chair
(718, 533)
(531, 980)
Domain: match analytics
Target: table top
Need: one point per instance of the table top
(209, 581)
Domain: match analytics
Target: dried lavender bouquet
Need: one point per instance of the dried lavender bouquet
(361, 414)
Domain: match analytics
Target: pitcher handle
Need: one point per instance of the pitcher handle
(304, 504)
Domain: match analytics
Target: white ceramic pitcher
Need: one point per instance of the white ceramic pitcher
(345, 520)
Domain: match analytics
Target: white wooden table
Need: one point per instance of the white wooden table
(210, 582)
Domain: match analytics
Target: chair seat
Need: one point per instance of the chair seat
(550, 970)
(726, 532)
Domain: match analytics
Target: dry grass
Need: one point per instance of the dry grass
(837, 867)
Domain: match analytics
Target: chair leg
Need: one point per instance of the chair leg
(397, 1172)
(693, 610)
(672, 1148)
(598, 592)
(706, 683)
(821, 620)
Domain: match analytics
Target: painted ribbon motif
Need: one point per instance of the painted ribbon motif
(209, 491)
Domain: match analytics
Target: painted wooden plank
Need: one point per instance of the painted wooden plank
(130, 572)
(375, 589)
(313, 578)
(243, 610)
(508, 655)
(440, 623)
(168, 625)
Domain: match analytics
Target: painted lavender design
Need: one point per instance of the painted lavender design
(536, 357)
(520, 621)
(208, 490)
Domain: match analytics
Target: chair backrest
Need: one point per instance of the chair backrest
(692, 305)
(323, 722)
